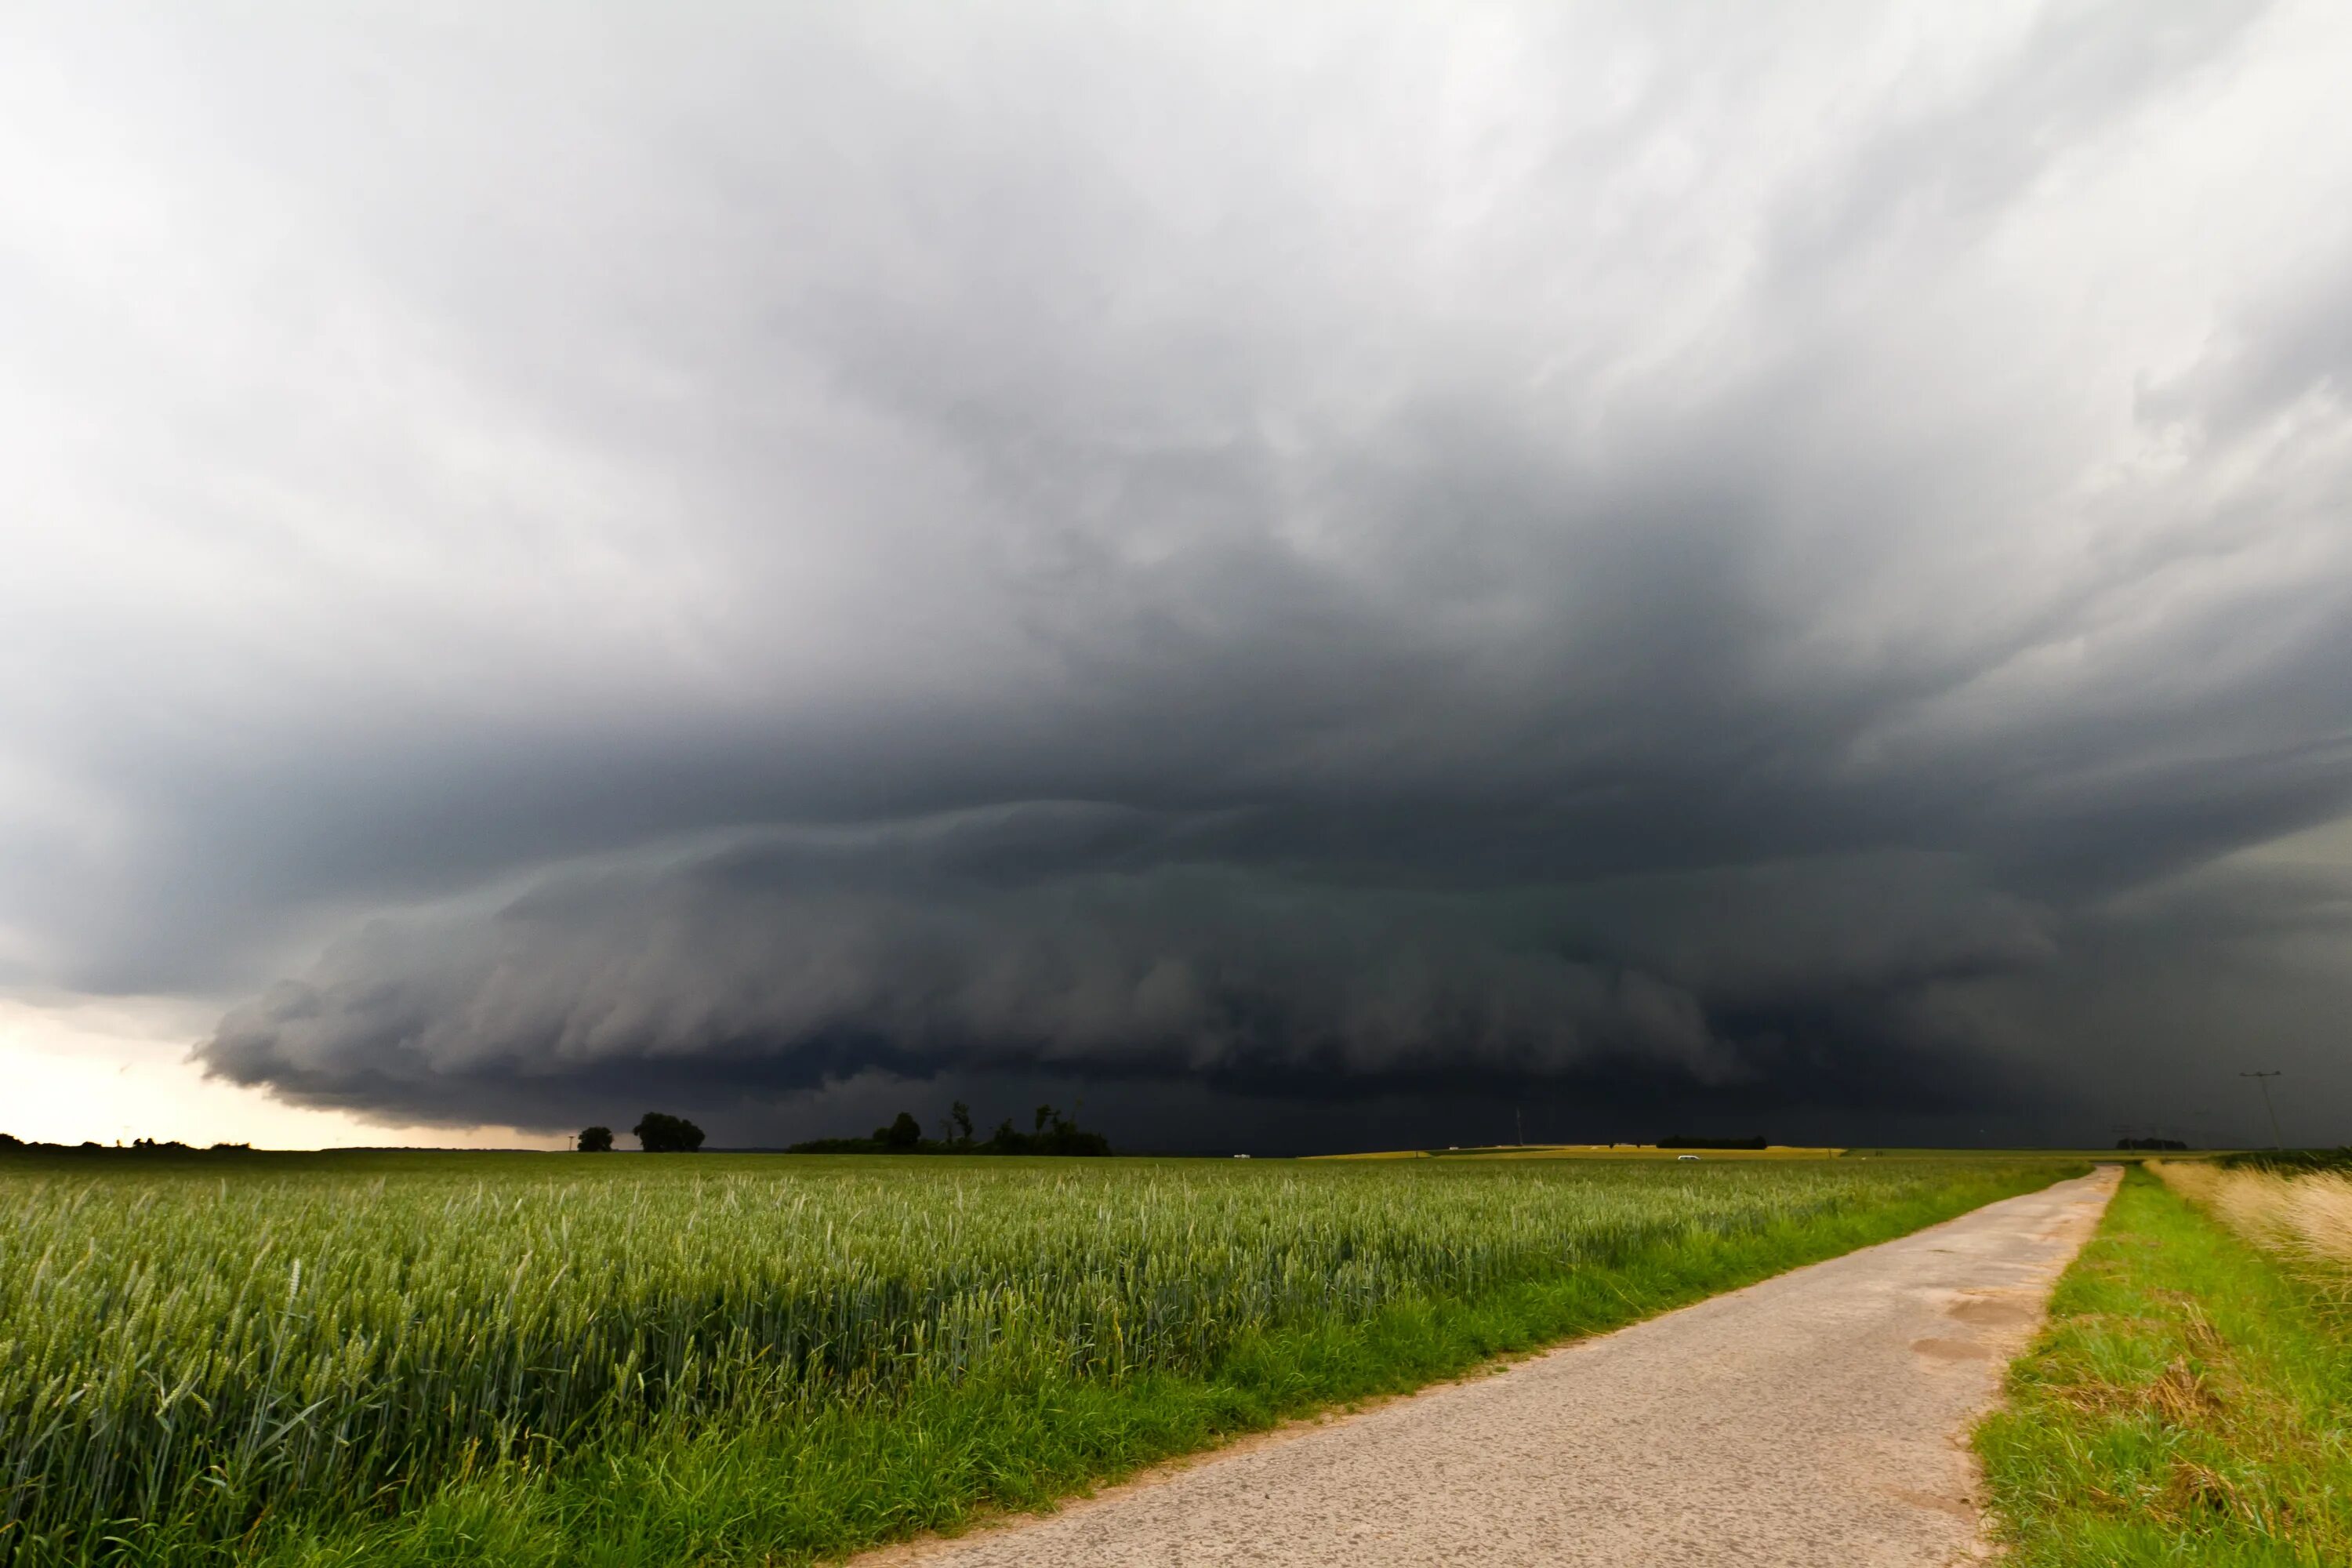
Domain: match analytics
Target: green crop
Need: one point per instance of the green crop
(195, 1351)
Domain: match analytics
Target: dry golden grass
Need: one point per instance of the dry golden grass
(2307, 1217)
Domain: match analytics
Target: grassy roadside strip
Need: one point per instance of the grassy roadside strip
(796, 1488)
(2188, 1403)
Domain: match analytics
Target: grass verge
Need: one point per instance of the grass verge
(2188, 1403)
(795, 1489)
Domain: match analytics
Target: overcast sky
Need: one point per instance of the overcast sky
(1303, 575)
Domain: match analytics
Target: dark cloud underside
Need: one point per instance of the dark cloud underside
(1267, 569)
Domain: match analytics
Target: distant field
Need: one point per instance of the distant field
(1594, 1152)
(747, 1359)
(1772, 1152)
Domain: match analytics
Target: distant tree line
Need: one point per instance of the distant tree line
(655, 1133)
(1685, 1141)
(2153, 1145)
(1051, 1132)
(14, 1145)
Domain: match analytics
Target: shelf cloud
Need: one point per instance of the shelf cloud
(1249, 566)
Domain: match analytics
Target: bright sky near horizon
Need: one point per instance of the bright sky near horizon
(111, 1071)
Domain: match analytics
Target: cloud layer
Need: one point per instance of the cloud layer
(1300, 558)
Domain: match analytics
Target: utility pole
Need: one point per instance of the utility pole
(1520, 1117)
(2263, 1079)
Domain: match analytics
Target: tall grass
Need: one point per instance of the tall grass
(2187, 1403)
(2307, 1215)
(200, 1353)
(2304, 1216)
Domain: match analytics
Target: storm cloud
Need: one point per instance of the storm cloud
(1684, 563)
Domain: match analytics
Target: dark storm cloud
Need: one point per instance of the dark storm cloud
(1108, 947)
(1353, 549)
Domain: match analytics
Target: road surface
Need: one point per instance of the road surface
(1818, 1420)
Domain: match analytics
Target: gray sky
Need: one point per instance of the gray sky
(1304, 575)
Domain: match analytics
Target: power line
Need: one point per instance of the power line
(2263, 1080)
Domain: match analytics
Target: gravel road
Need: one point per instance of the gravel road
(1817, 1420)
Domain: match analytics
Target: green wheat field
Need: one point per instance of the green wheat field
(764, 1358)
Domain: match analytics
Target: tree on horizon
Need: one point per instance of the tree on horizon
(657, 1133)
